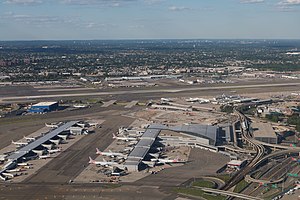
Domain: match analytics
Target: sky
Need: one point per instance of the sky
(149, 19)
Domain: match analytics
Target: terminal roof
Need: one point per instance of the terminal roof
(26, 149)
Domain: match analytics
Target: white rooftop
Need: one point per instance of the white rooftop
(47, 103)
(235, 162)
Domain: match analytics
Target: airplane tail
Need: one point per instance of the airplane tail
(91, 160)
(114, 136)
(176, 159)
(98, 152)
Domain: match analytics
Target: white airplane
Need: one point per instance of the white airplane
(54, 150)
(2, 177)
(8, 174)
(64, 137)
(168, 161)
(79, 106)
(29, 139)
(27, 167)
(118, 173)
(15, 170)
(110, 154)
(149, 163)
(132, 143)
(128, 148)
(44, 156)
(201, 100)
(124, 138)
(19, 143)
(51, 125)
(102, 163)
(155, 155)
(23, 164)
(166, 100)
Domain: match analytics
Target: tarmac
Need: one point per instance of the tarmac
(72, 162)
(201, 163)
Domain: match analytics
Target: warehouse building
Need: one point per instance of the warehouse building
(43, 107)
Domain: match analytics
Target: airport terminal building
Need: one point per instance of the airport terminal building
(196, 135)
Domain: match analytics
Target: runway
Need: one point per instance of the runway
(146, 91)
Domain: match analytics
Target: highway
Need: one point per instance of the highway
(228, 193)
(259, 158)
(260, 151)
(124, 92)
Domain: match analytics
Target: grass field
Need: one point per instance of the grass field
(204, 183)
(199, 193)
(240, 186)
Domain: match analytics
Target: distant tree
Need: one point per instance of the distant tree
(226, 108)
(294, 120)
(273, 117)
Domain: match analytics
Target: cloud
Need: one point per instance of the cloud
(23, 2)
(151, 2)
(180, 8)
(251, 1)
(113, 3)
(41, 20)
(95, 25)
(289, 2)
(284, 8)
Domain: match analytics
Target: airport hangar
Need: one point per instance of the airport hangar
(202, 136)
(22, 152)
(43, 107)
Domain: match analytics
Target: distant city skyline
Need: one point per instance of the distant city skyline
(149, 19)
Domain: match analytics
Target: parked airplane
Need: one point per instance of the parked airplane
(155, 155)
(149, 163)
(102, 163)
(168, 161)
(29, 139)
(51, 125)
(201, 100)
(23, 164)
(128, 148)
(110, 153)
(123, 173)
(45, 156)
(132, 143)
(8, 174)
(80, 106)
(54, 150)
(2, 177)
(166, 99)
(124, 138)
(20, 144)
(15, 170)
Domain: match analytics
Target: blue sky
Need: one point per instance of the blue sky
(149, 19)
